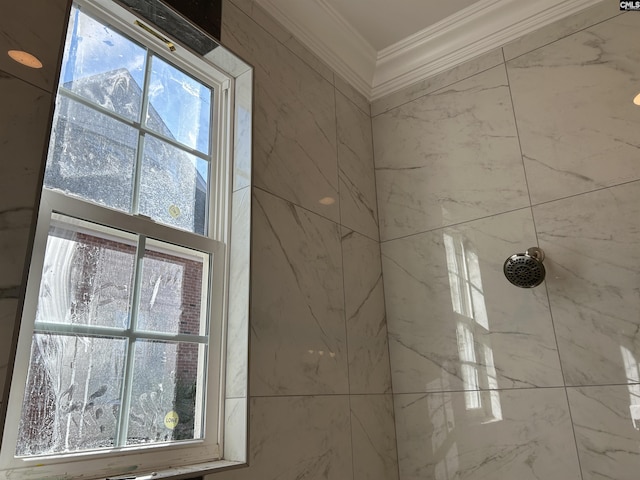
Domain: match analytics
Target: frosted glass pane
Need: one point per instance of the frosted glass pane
(103, 66)
(179, 106)
(173, 186)
(91, 155)
(87, 276)
(71, 400)
(164, 396)
(171, 293)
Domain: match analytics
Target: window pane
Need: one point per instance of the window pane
(87, 275)
(103, 66)
(173, 186)
(171, 291)
(91, 155)
(179, 106)
(71, 400)
(164, 402)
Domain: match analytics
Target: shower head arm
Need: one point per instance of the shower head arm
(536, 253)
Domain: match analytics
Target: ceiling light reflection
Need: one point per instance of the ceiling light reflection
(327, 201)
(25, 58)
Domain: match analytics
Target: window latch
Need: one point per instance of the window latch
(146, 217)
(133, 477)
(151, 31)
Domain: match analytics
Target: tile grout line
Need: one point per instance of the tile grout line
(28, 82)
(430, 92)
(341, 173)
(442, 227)
(346, 394)
(532, 206)
(564, 35)
(306, 209)
(344, 283)
(516, 389)
(599, 189)
(438, 392)
(384, 299)
(272, 35)
(546, 286)
(347, 95)
(333, 82)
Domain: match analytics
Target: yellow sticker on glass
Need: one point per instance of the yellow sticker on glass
(174, 211)
(171, 420)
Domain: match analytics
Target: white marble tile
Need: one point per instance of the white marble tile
(238, 316)
(298, 338)
(358, 207)
(235, 429)
(266, 21)
(23, 133)
(591, 242)
(431, 84)
(561, 28)
(573, 103)
(15, 228)
(366, 322)
(271, 25)
(228, 62)
(448, 157)
(243, 131)
(308, 57)
(38, 28)
(607, 425)
(373, 436)
(297, 438)
(352, 94)
(22, 136)
(8, 309)
(514, 434)
(454, 320)
(23, 126)
(294, 125)
(245, 5)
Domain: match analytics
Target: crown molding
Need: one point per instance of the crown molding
(484, 26)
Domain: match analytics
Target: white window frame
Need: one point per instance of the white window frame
(101, 463)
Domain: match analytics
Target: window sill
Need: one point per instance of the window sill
(186, 472)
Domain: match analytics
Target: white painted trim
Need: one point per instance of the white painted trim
(484, 26)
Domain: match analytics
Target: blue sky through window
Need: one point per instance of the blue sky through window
(182, 103)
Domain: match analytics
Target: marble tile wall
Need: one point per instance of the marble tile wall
(522, 433)
(500, 154)
(320, 383)
(532, 145)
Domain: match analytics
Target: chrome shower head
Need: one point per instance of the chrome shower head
(525, 270)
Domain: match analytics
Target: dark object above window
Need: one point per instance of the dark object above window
(205, 14)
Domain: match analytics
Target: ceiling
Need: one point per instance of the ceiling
(381, 46)
(383, 23)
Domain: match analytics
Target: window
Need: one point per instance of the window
(121, 338)
(132, 132)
